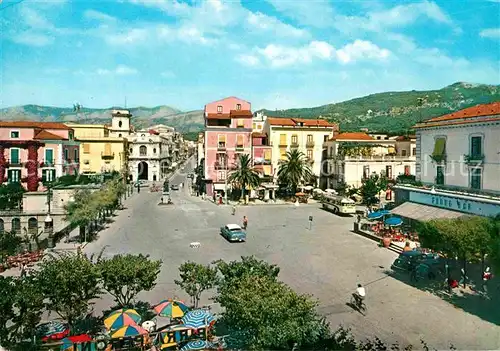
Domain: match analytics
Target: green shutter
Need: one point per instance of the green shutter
(52, 175)
(476, 146)
(49, 156)
(14, 155)
(439, 147)
(44, 176)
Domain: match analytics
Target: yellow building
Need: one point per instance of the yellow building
(305, 135)
(100, 152)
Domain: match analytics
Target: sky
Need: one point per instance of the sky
(275, 53)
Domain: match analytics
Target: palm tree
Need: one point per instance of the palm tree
(294, 170)
(245, 175)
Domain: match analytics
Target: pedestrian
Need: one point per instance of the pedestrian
(245, 222)
(486, 277)
(359, 218)
(23, 270)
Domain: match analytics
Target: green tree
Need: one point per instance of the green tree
(294, 170)
(11, 196)
(245, 175)
(233, 271)
(9, 244)
(195, 279)
(69, 283)
(125, 276)
(369, 190)
(82, 210)
(265, 314)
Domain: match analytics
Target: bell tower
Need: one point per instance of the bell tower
(120, 123)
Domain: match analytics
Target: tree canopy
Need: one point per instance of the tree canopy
(244, 175)
(196, 278)
(294, 170)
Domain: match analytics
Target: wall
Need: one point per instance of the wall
(457, 145)
(227, 104)
(353, 171)
(24, 133)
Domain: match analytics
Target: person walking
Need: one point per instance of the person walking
(245, 222)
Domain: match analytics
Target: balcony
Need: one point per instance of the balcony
(221, 147)
(47, 163)
(220, 165)
(108, 155)
(282, 144)
(309, 161)
(310, 144)
(294, 145)
(13, 163)
(376, 158)
(239, 148)
(474, 159)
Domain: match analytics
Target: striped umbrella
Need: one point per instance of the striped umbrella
(129, 331)
(52, 330)
(122, 317)
(171, 309)
(197, 345)
(197, 319)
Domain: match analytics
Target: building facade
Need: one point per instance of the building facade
(36, 152)
(352, 157)
(258, 121)
(458, 162)
(228, 134)
(99, 151)
(305, 135)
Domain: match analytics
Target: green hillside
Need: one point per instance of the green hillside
(397, 111)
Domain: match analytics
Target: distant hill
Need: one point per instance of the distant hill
(383, 112)
(397, 111)
(191, 121)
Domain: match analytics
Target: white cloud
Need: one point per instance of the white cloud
(99, 16)
(361, 49)
(436, 58)
(260, 22)
(398, 16)
(493, 33)
(131, 36)
(32, 39)
(120, 70)
(34, 19)
(248, 60)
(172, 7)
(316, 13)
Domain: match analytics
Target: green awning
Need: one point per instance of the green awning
(439, 147)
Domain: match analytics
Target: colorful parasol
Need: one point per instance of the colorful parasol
(73, 343)
(393, 221)
(129, 331)
(197, 345)
(197, 319)
(171, 309)
(375, 215)
(52, 330)
(122, 317)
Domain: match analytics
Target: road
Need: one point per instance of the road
(326, 261)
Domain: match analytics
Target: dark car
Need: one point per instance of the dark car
(425, 264)
(174, 187)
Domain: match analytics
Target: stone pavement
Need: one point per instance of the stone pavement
(327, 261)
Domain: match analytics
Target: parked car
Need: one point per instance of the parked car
(174, 187)
(233, 232)
(427, 265)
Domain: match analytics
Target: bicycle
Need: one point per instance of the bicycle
(358, 303)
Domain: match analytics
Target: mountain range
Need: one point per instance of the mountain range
(383, 112)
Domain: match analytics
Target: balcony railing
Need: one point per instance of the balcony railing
(13, 163)
(47, 163)
(282, 144)
(220, 165)
(373, 158)
(108, 155)
(239, 148)
(473, 159)
(221, 147)
(294, 145)
(310, 144)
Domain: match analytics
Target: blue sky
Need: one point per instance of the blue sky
(274, 53)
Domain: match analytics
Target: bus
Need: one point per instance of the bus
(338, 204)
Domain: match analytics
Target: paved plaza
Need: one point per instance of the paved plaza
(326, 261)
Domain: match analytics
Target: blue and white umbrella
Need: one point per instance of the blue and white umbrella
(375, 215)
(197, 345)
(393, 221)
(197, 319)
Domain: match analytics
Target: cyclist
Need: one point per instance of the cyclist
(359, 295)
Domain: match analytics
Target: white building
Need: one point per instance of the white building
(258, 121)
(458, 162)
(351, 157)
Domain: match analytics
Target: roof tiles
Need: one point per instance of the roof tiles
(296, 122)
(44, 135)
(464, 116)
(352, 136)
(33, 124)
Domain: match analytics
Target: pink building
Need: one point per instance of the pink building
(36, 152)
(228, 134)
(262, 155)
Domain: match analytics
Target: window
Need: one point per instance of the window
(283, 155)
(14, 155)
(325, 138)
(241, 123)
(475, 178)
(295, 139)
(219, 109)
(75, 155)
(239, 140)
(254, 125)
(440, 175)
(388, 171)
(120, 124)
(267, 155)
(14, 134)
(86, 148)
(310, 155)
(439, 152)
(143, 150)
(283, 139)
(221, 175)
(48, 175)
(106, 133)
(66, 154)
(309, 138)
(407, 170)
(238, 107)
(49, 156)
(222, 141)
(14, 175)
(86, 162)
(70, 135)
(366, 172)
(476, 146)
(130, 151)
(403, 152)
(120, 135)
(414, 151)
(154, 150)
(107, 149)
